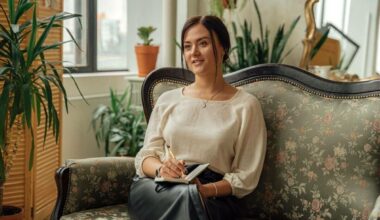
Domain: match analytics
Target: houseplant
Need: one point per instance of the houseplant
(28, 79)
(249, 52)
(146, 54)
(119, 126)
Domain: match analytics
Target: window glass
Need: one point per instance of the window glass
(378, 48)
(111, 34)
(72, 56)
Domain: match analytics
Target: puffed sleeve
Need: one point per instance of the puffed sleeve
(250, 149)
(153, 142)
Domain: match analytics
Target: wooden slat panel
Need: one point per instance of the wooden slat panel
(48, 155)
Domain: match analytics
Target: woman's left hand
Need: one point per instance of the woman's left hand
(202, 189)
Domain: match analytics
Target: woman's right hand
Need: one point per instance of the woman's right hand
(172, 168)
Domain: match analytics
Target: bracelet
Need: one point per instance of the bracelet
(216, 189)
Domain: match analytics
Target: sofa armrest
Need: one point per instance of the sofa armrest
(375, 214)
(92, 183)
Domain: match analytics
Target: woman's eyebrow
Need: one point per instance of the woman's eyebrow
(199, 39)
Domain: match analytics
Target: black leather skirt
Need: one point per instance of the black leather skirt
(150, 200)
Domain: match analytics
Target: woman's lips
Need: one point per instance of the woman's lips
(197, 62)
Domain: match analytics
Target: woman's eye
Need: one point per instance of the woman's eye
(203, 43)
(187, 47)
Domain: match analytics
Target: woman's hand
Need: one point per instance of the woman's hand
(172, 168)
(203, 189)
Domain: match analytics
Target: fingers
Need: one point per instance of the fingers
(172, 168)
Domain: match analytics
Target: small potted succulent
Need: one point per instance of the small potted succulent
(146, 54)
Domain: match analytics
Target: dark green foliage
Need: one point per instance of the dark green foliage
(118, 125)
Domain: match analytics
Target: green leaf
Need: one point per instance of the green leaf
(2, 168)
(117, 147)
(76, 84)
(11, 10)
(24, 7)
(43, 37)
(4, 70)
(32, 39)
(281, 46)
(31, 154)
(4, 103)
(15, 109)
(319, 44)
(48, 97)
(260, 21)
(55, 125)
(27, 104)
(38, 108)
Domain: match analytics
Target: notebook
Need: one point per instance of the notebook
(187, 179)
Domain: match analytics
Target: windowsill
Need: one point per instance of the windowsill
(101, 74)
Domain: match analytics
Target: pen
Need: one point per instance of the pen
(169, 151)
(171, 154)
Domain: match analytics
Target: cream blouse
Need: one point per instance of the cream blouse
(230, 135)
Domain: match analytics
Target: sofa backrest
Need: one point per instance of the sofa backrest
(323, 152)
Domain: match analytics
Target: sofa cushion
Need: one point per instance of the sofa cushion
(115, 212)
(322, 157)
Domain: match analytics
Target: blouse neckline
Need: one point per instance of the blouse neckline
(238, 90)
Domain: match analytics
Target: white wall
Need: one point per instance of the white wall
(362, 28)
(78, 140)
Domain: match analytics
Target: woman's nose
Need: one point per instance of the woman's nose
(194, 50)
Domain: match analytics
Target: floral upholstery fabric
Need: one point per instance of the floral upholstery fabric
(98, 182)
(116, 212)
(323, 155)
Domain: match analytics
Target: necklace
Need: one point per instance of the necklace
(212, 97)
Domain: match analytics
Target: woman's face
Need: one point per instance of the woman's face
(198, 51)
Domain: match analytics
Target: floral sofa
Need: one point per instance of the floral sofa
(322, 161)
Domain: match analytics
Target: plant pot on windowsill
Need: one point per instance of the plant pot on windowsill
(11, 213)
(146, 56)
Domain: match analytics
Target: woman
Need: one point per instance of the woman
(208, 121)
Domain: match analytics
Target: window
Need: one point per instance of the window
(101, 36)
(378, 46)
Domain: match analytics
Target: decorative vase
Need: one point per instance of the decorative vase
(12, 213)
(146, 58)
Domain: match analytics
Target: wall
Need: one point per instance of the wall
(78, 140)
(362, 28)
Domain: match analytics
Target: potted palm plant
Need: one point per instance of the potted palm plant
(27, 79)
(118, 126)
(146, 53)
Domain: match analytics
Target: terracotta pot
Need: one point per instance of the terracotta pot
(11, 213)
(226, 4)
(146, 59)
